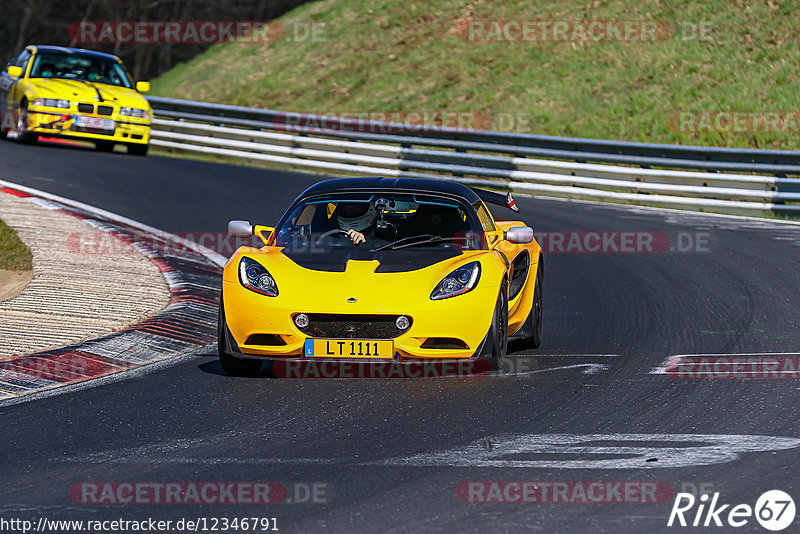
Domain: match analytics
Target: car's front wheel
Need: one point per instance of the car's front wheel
(231, 364)
(23, 135)
(499, 335)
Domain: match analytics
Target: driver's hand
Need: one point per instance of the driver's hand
(356, 237)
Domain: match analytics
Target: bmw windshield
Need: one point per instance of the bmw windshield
(83, 67)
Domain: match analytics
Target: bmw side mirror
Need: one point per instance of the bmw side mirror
(521, 235)
(240, 228)
(14, 71)
(143, 87)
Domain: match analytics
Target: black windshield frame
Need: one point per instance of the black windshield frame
(472, 220)
(106, 65)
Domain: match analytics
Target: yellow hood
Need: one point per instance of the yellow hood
(80, 91)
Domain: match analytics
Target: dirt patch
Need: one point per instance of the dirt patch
(12, 282)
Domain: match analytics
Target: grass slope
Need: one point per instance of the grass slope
(391, 56)
(14, 254)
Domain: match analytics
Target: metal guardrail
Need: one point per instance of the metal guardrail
(491, 159)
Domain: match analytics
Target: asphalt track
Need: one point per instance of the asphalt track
(610, 319)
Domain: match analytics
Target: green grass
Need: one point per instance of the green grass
(14, 254)
(386, 55)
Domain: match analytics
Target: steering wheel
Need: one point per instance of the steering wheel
(327, 234)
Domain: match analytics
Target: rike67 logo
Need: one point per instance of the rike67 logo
(774, 510)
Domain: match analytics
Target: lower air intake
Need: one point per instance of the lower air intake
(268, 340)
(444, 343)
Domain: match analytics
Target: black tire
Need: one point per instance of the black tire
(24, 136)
(532, 329)
(137, 149)
(105, 146)
(499, 336)
(231, 364)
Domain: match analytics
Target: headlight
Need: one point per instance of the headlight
(52, 103)
(460, 281)
(135, 112)
(256, 278)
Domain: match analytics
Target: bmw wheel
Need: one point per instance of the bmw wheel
(23, 135)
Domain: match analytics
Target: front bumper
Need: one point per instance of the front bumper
(250, 316)
(63, 124)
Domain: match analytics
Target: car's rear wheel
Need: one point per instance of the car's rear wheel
(499, 335)
(532, 329)
(231, 364)
(23, 135)
(137, 149)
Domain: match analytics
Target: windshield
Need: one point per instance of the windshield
(387, 222)
(76, 66)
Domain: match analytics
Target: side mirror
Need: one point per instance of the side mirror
(521, 235)
(240, 228)
(14, 71)
(143, 87)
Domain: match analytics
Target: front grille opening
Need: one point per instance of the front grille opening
(443, 343)
(136, 136)
(86, 108)
(344, 326)
(105, 110)
(269, 340)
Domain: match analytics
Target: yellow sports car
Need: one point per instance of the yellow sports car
(379, 269)
(72, 93)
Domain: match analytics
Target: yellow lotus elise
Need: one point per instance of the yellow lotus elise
(380, 269)
(72, 93)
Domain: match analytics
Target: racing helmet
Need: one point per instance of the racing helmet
(356, 215)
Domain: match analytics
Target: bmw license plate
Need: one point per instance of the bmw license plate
(349, 348)
(94, 123)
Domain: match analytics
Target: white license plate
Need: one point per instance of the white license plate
(94, 123)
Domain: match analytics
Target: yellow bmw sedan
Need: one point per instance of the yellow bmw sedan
(52, 91)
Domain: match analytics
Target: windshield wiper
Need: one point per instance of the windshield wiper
(421, 240)
(399, 241)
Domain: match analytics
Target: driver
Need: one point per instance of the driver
(357, 220)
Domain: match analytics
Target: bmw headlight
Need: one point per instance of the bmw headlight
(460, 281)
(256, 278)
(52, 103)
(135, 112)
